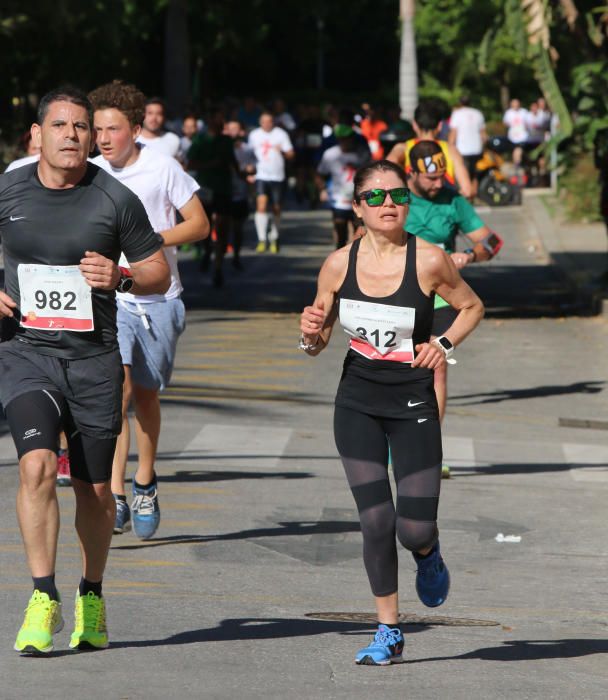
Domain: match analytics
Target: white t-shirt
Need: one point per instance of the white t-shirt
(26, 160)
(162, 186)
(269, 147)
(468, 123)
(516, 120)
(341, 167)
(168, 144)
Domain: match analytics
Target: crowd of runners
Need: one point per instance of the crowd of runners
(91, 218)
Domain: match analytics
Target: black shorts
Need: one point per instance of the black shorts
(275, 191)
(442, 320)
(470, 163)
(220, 204)
(239, 209)
(91, 387)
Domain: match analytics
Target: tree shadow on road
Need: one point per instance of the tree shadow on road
(522, 468)
(586, 387)
(228, 475)
(530, 650)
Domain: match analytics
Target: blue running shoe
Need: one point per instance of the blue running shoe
(387, 648)
(146, 511)
(432, 579)
(122, 522)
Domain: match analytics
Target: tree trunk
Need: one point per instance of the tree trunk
(177, 57)
(408, 68)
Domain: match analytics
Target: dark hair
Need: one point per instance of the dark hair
(465, 100)
(430, 112)
(64, 93)
(157, 101)
(123, 97)
(382, 166)
(422, 150)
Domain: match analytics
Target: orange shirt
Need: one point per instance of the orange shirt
(372, 130)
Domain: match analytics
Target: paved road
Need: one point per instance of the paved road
(254, 587)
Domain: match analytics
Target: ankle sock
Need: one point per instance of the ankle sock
(46, 584)
(86, 586)
(145, 486)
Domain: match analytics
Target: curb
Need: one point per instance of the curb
(591, 298)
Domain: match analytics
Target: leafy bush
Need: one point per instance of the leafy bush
(579, 190)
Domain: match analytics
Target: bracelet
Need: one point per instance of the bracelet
(470, 251)
(303, 345)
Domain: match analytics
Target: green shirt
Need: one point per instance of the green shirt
(213, 156)
(438, 221)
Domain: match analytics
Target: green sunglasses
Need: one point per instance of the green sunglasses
(375, 198)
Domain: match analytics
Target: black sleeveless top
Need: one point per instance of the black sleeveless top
(385, 387)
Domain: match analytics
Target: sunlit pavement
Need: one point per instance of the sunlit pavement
(254, 585)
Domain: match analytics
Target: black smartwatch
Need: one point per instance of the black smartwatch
(125, 283)
(446, 345)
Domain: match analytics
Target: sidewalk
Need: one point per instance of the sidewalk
(580, 250)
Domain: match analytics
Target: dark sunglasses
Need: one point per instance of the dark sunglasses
(375, 198)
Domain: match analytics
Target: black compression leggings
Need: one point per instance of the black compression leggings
(416, 455)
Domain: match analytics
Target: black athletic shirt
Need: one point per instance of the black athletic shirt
(384, 387)
(44, 226)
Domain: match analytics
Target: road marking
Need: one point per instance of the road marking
(588, 455)
(260, 443)
(458, 451)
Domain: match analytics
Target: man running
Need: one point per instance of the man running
(63, 224)
(437, 214)
(468, 135)
(272, 147)
(427, 125)
(153, 132)
(338, 165)
(148, 326)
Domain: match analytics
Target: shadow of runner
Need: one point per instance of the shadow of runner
(530, 650)
(589, 387)
(251, 628)
(295, 528)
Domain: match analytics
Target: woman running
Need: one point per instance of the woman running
(381, 288)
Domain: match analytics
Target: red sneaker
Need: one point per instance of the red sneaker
(63, 468)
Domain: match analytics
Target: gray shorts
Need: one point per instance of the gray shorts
(91, 386)
(147, 337)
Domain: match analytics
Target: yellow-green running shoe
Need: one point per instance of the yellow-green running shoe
(90, 630)
(43, 619)
(445, 471)
(260, 247)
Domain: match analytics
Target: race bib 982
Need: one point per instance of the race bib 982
(54, 298)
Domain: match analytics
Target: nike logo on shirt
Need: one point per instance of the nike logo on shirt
(16, 218)
(421, 420)
(411, 404)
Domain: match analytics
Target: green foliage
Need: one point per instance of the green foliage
(579, 190)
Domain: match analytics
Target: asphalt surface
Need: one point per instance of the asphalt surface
(254, 585)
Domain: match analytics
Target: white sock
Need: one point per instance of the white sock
(274, 232)
(261, 225)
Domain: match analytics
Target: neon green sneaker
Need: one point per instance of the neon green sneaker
(274, 247)
(445, 471)
(43, 619)
(90, 630)
(260, 247)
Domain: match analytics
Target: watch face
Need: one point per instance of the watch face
(125, 285)
(445, 343)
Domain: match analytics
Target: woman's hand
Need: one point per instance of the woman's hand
(312, 320)
(429, 356)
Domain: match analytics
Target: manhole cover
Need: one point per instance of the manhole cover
(405, 618)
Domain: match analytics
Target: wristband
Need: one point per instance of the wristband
(303, 345)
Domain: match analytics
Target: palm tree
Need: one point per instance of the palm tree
(408, 68)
